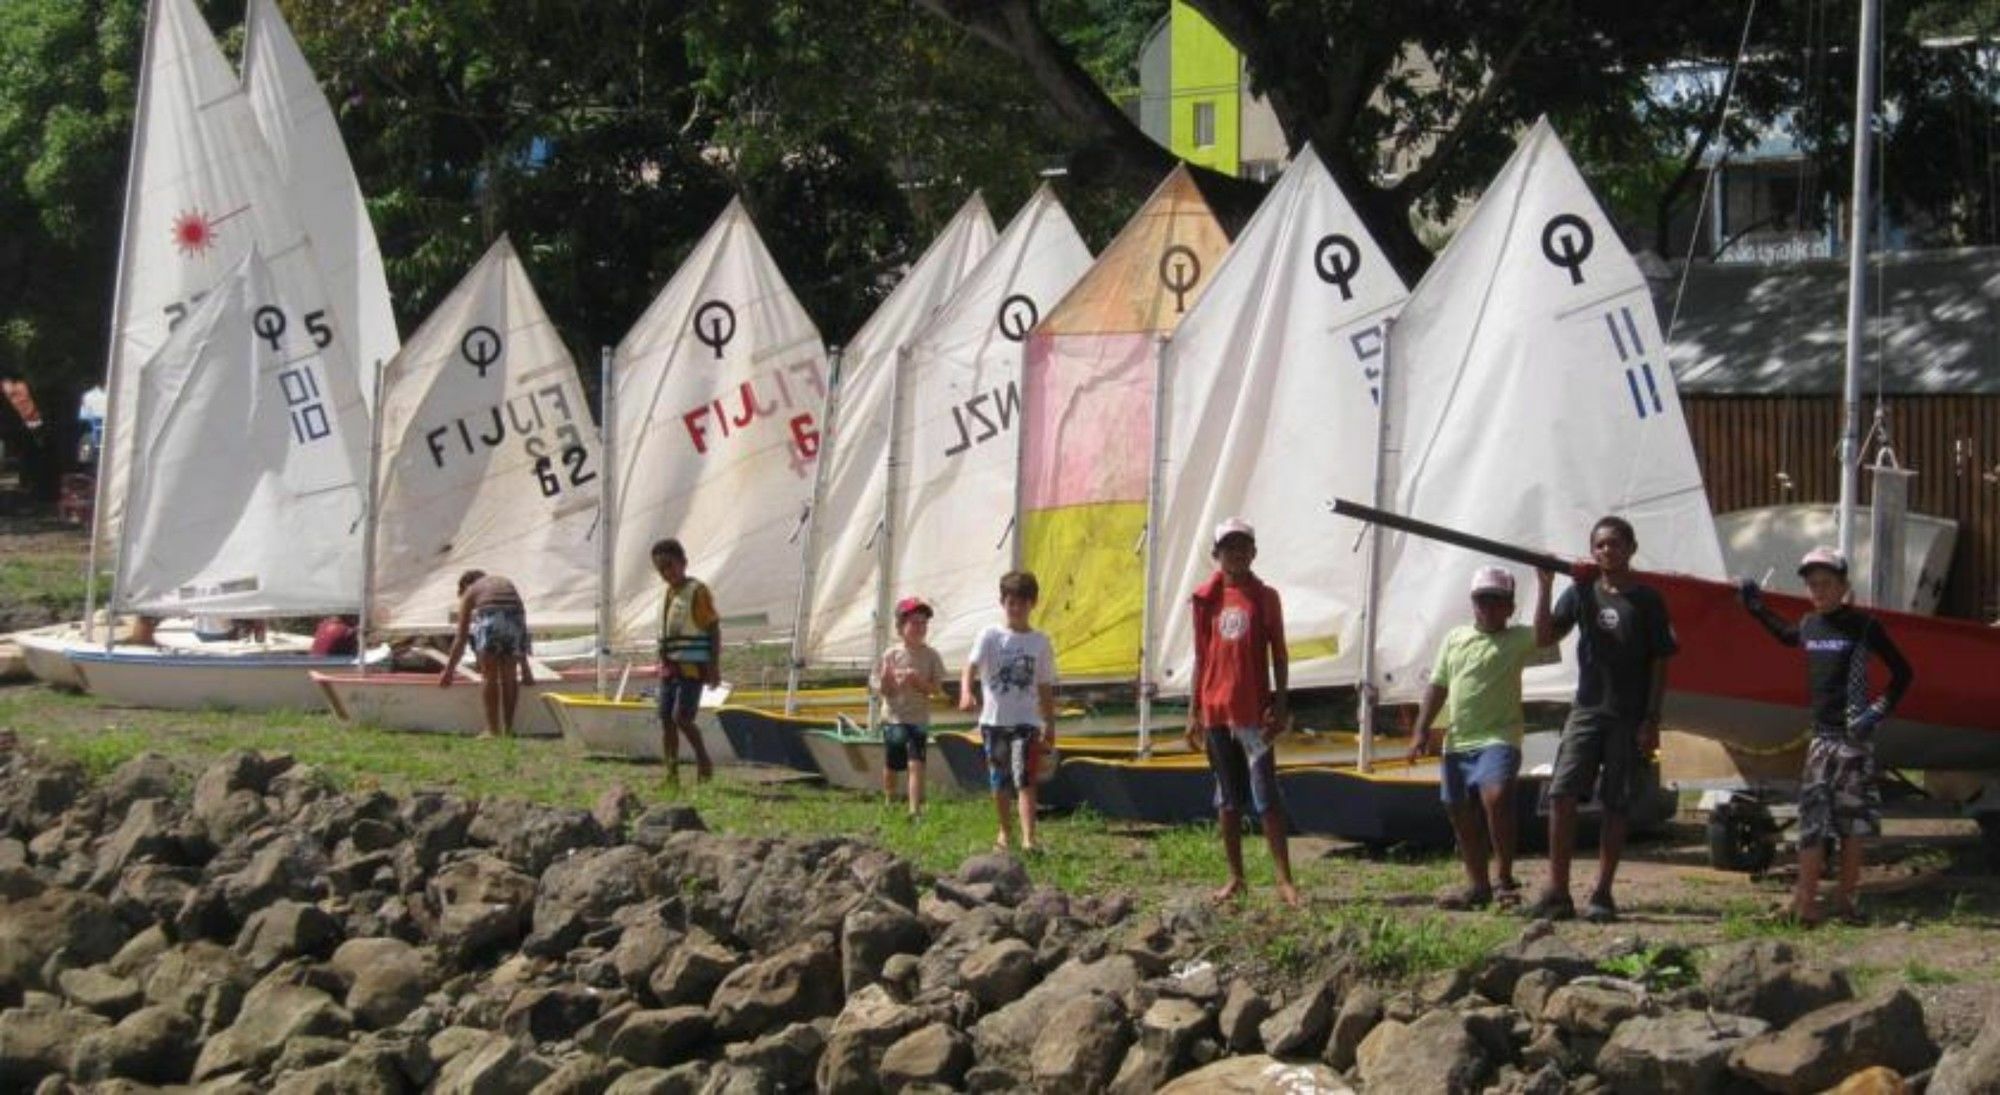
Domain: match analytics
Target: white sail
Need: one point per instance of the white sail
(952, 502)
(246, 494)
(1529, 395)
(841, 620)
(203, 193)
(720, 387)
(489, 460)
(1271, 389)
(313, 167)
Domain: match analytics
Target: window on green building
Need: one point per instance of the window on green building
(1204, 125)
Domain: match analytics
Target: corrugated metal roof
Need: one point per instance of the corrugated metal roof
(1747, 329)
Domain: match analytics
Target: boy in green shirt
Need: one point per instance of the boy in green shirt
(1478, 673)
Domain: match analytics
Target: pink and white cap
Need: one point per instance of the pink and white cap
(1234, 526)
(1492, 580)
(1823, 557)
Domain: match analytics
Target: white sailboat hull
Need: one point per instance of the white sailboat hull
(46, 653)
(628, 729)
(414, 702)
(857, 763)
(195, 682)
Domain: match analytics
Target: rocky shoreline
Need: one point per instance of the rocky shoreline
(251, 928)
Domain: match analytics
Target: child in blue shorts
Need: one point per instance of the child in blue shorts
(906, 678)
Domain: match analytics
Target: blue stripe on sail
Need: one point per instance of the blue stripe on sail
(1632, 381)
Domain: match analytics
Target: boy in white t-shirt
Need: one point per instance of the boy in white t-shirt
(1016, 668)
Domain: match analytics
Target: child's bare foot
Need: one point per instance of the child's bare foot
(1000, 843)
(1289, 894)
(704, 773)
(1228, 893)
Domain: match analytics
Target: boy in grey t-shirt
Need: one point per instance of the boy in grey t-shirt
(906, 678)
(1016, 669)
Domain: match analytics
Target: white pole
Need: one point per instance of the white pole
(828, 438)
(885, 544)
(1371, 610)
(607, 431)
(370, 521)
(1148, 617)
(1857, 267)
(107, 445)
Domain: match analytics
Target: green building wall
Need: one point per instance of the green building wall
(1206, 70)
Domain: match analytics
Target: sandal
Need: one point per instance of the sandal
(1551, 906)
(1507, 893)
(1465, 899)
(1601, 910)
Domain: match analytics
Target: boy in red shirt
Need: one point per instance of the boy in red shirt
(1238, 708)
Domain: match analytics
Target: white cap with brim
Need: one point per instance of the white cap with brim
(1823, 557)
(1235, 526)
(1492, 580)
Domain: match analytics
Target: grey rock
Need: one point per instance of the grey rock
(1435, 1053)
(201, 980)
(98, 989)
(228, 796)
(1006, 1037)
(662, 1038)
(534, 837)
(932, 1054)
(998, 973)
(1532, 992)
(1258, 1075)
(154, 1045)
(1168, 1032)
(298, 787)
(438, 825)
(154, 892)
(551, 1014)
(1972, 1069)
(787, 1058)
(799, 982)
(73, 928)
(1301, 1025)
(39, 1043)
(1082, 1046)
(692, 972)
(272, 1014)
(1765, 978)
(386, 980)
(1243, 1013)
(1004, 873)
(1824, 1047)
(582, 1076)
(1358, 1015)
(869, 1023)
(137, 956)
(1537, 947)
(1682, 1053)
(482, 904)
(1592, 1006)
(287, 929)
(308, 1051)
(580, 893)
(614, 810)
(496, 1065)
(955, 940)
(651, 829)
(148, 775)
(365, 1071)
(33, 798)
(685, 1079)
(452, 1041)
(287, 866)
(644, 946)
(151, 829)
(596, 1036)
(872, 932)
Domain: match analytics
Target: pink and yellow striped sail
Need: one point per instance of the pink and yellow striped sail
(1091, 374)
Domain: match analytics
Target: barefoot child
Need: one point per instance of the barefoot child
(909, 674)
(1016, 670)
(1838, 800)
(1478, 674)
(1238, 708)
(492, 618)
(690, 658)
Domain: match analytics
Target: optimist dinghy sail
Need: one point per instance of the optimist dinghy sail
(1269, 410)
(312, 165)
(719, 390)
(957, 443)
(203, 191)
(1087, 425)
(246, 491)
(845, 617)
(488, 459)
(1528, 396)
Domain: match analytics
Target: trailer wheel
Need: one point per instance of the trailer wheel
(1742, 837)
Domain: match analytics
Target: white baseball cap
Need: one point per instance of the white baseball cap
(1823, 557)
(1234, 526)
(1492, 580)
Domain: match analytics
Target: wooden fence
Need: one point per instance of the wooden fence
(1770, 450)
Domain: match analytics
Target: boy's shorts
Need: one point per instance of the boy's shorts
(502, 632)
(679, 696)
(1246, 770)
(1486, 768)
(905, 742)
(1599, 753)
(1012, 755)
(1838, 797)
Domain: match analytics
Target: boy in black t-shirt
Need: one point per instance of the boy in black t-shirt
(1623, 643)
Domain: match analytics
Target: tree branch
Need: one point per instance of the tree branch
(1419, 182)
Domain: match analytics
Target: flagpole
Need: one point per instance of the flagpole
(1372, 610)
(1148, 617)
(108, 444)
(1857, 269)
(827, 438)
(885, 555)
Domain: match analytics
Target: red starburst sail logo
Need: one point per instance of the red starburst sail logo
(194, 233)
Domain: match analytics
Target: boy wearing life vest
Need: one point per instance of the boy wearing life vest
(690, 657)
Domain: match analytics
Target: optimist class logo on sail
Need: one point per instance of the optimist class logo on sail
(769, 393)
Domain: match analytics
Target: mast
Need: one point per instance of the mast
(1149, 650)
(1857, 267)
(827, 438)
(885, 555)
(111, 408)
(1372, 604)
(369, 521)
(607, 540)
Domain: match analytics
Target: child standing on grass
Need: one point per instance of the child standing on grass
(909, 674)
(1016, 669)
(1241, 671)
(1838, 799)
(1478, 674)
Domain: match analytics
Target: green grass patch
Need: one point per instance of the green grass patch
(1917, 972)
(43, 587)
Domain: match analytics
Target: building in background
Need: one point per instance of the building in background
(1195, 99)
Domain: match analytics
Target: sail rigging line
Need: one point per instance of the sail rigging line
(1722, 157)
